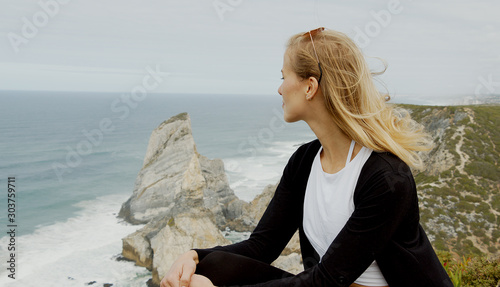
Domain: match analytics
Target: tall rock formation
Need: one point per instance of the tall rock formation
(175, 178)
(183, 198)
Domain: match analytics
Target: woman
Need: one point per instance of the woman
(350, 193)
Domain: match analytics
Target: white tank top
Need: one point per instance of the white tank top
(329, 203)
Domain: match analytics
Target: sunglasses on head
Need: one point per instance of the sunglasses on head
(312, 34)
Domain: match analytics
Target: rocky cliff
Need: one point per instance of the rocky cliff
(175, 177)
(459, 191)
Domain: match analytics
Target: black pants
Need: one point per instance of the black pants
(225, 269)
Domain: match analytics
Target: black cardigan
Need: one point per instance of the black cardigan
(384, 227)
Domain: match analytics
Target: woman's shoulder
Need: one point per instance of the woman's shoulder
(386, 162)
(386, 175)
(301, 160)
(305, 152)
(309, 147)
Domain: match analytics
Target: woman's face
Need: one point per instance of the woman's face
(293, 90)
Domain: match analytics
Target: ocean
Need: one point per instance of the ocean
(69, 180)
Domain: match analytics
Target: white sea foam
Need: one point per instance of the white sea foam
(248, 175)
(80, 250)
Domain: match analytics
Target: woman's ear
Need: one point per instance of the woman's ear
(312, 88)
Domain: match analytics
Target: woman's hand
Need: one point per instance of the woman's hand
(181, 272)
(200, 281)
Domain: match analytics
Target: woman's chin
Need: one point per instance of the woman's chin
(289, 119)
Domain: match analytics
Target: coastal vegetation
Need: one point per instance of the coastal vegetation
(474, 271)
(459, 190)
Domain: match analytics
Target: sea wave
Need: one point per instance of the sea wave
(80, 250)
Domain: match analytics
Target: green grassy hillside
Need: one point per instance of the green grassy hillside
(459, 191)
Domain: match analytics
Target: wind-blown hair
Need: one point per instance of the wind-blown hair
(352, 98)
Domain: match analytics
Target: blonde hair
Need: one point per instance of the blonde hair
(352, 98)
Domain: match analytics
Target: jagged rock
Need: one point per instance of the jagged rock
(175, 177)
(160, 242)
(293, 246)
(183, 198)
(252, 212)
(171, 159)
(259, 204)
(195, 229)
(137, 246)
(291, 263)
(440, 158)
(217, 195)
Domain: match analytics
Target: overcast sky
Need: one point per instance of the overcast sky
(436, 50)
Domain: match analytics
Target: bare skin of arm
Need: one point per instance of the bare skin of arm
(181, 274)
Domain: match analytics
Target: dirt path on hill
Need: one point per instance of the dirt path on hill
(463, 157)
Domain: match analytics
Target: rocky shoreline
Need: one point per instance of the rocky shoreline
(185, 202)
